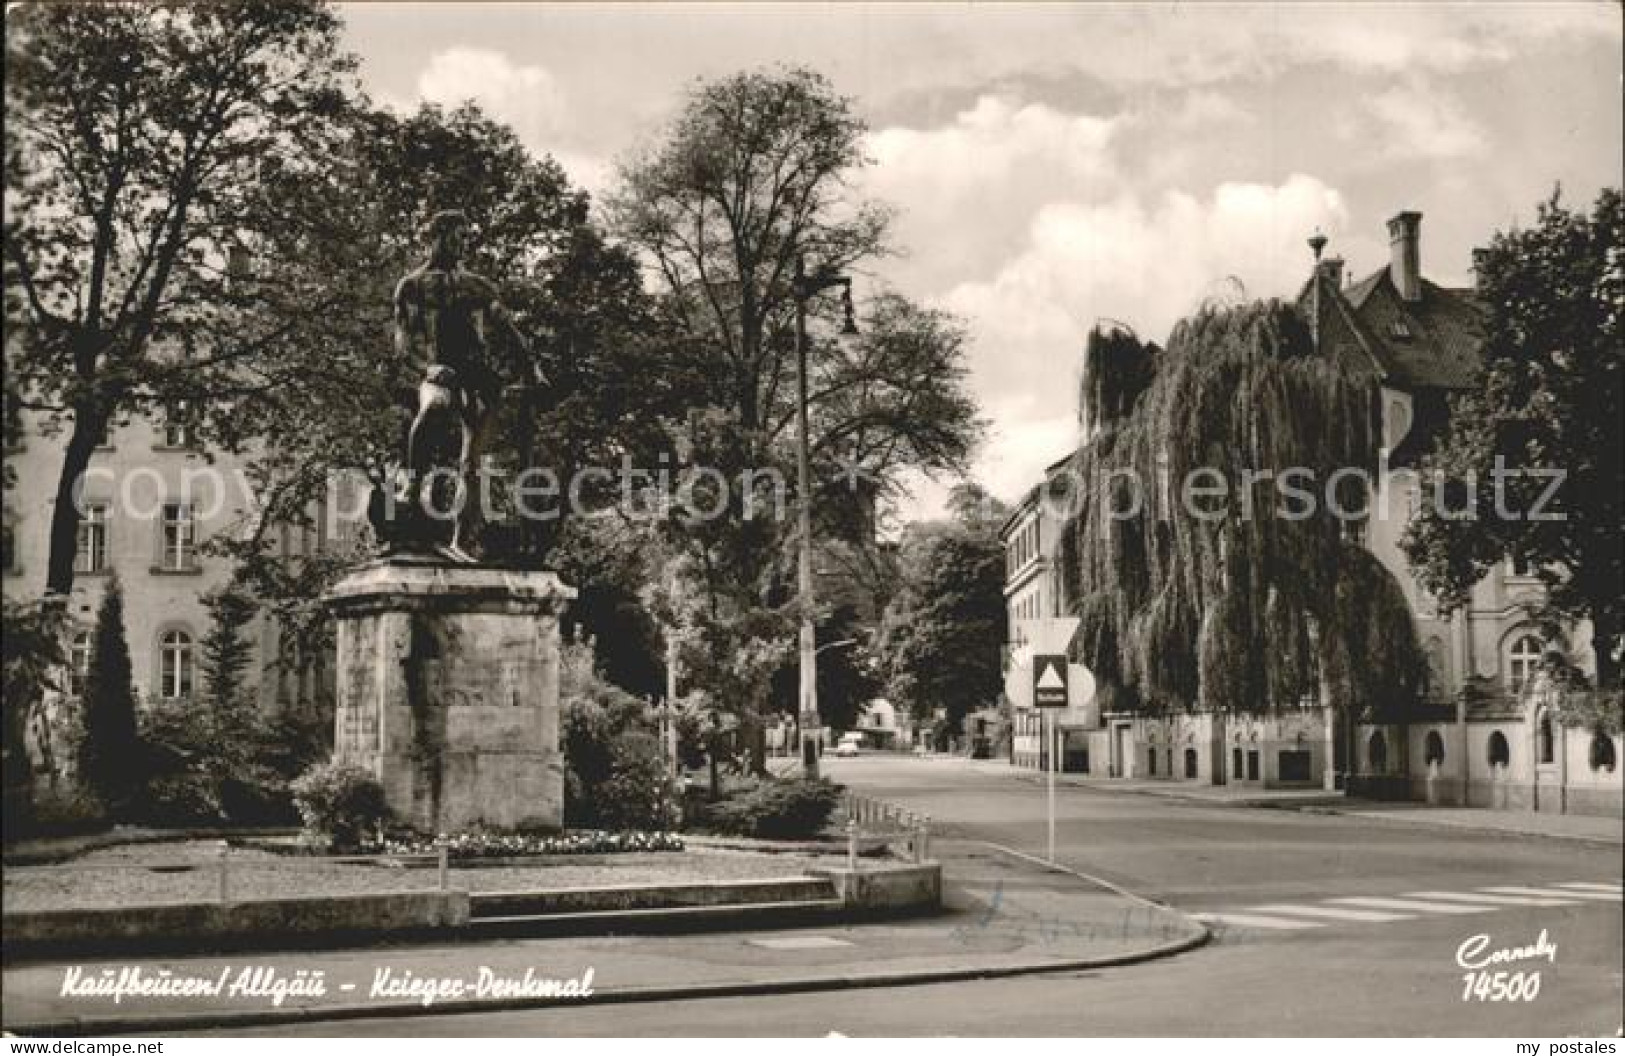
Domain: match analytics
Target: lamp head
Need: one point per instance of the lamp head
(850, 327)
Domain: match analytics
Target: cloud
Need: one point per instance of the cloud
(1204, 109)
(526, 97)
(982, 174)
(1144, 263)
(1418, 121)
(995, 142)
(1148, 264)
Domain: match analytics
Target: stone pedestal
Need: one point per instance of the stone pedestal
(448, 690)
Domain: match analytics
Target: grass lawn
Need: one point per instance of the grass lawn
(189, 871)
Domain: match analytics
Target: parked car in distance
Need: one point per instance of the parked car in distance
(851, 744)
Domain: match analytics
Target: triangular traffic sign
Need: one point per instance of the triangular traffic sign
(1051, 678)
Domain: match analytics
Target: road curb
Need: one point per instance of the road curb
(102, 1026)
(1438, 823)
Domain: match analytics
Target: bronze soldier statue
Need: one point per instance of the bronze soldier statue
(444, 318)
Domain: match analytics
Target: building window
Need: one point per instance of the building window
(1602, 752)
(1519, 567)
(1500, 752)
(178, 428)
(1252, 764)
(180, 538)
(92, 549)
(1544, 740)
(1523, 660)
(175, 665)
(1190, 762)
(1377, 753)
(1433, 748)
(1235, 764)
(78, 664)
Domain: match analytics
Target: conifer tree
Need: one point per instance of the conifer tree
(109, 755)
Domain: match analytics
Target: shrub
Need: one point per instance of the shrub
(782, 810)
(595, 716)
(179, 786)
(639, 792)
(341, 804)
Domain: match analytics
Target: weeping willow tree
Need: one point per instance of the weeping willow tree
(1257, 598)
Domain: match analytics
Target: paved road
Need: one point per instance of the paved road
(1292, 958)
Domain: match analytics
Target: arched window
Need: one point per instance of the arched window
(1190, 762)
(1602, 752)
(1500, 752)
(79, 664)
(1377, 752)
(1543, 739)
(1523, 660)
(1433, 748)
(175, 665)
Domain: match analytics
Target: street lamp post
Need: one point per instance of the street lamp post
(842, 644)
(805, 287)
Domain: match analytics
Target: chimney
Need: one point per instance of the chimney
(1332, 268)
(1405, 254)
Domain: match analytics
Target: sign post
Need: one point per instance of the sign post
(1050, 693)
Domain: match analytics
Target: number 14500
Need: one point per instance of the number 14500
(1500, 986)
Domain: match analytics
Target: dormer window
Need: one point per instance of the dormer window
(1400, 329)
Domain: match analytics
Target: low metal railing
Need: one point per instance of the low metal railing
(865, 814)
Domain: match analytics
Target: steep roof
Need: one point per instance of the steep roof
(1433, 342)
(1430, 343)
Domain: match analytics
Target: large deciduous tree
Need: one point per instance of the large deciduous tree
(135, 138)
(751, 180)
(1550, 400)
(942, 636)
(1195, 585)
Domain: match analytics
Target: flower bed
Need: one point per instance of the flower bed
(481, 843)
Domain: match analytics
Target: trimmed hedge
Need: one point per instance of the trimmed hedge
(796, 809)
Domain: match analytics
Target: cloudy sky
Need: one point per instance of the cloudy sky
(1059, 164)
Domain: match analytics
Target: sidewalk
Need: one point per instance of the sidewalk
(1222, 795)
(1590, 828)
(1483, 819)
(1007, 914)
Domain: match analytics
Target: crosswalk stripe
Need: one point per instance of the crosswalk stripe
(1578, 886)
(1412, 905)
(1250, 920)
(1535, 892)
(1332, 912)
(1499, 900)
